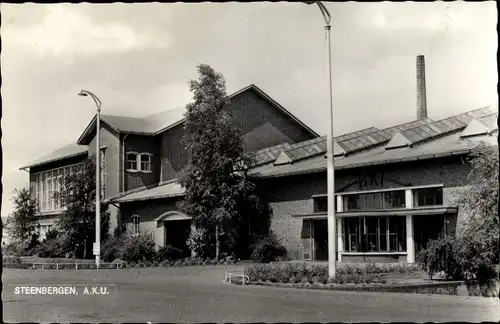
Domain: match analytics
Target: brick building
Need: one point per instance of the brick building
(395, 187)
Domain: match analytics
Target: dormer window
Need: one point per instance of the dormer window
(139, 162)
(146, 162)
(132, 161)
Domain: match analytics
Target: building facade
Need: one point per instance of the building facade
(396, 188)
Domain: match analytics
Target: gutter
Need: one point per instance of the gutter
(364, 164)
(53, 160)
(149, 198)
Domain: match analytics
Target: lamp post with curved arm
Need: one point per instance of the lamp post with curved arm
(330, 153)
(97, 244)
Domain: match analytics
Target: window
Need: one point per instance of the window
(145, 162)
(374, 234)
(427, 197)
(397, 234)
(132, 161)
(49, 183)
(139, 162)
(377, 200)
(136, 223)
(320, 204)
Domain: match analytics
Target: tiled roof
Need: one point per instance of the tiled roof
(448, 145)
(268, 154)
(64, 152)
(441, 127)
(490, 121)
(315, 146)
(366, 149)
(171, 189)
(380, 137)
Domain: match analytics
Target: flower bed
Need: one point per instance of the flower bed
(304, 274)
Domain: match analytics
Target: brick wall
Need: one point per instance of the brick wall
(110, 139)
(142, 144)
(292, 195)
(173, 154)
(147, 210)
(261, 124)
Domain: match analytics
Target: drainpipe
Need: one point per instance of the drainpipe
(123, 163)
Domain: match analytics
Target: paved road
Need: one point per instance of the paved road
(197, 294)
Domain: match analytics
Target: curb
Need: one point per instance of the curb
(442, 288)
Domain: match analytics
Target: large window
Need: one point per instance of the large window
(139, 162)
(428, 197)
(377, 200)
(48, 183)
(374, 234)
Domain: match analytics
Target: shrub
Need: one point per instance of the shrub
(198, 242)
(269, 249)
(12, 260)
(137, 248)
(169, 252)
(51, 247)
(111, 248)
(301, 273)
(458, 258)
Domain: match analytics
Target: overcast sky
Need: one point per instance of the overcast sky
(138, 58)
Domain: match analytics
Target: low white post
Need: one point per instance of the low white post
(76, 266)
(410, 243)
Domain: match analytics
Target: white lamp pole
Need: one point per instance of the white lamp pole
(330, 154)
(97, 244)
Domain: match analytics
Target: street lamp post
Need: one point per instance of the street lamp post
(330, 153)
(97, 244)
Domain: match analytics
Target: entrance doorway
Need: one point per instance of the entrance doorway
(177, 233)
(320, 230)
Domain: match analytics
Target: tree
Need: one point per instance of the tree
(22, 222)
(480, 203)
(77, 222)
(215, 182)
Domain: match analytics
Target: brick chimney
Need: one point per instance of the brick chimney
(421, 92)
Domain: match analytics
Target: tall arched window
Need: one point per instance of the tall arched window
(136, 222)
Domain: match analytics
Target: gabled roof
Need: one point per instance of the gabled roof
(158, 123)
(65, 152)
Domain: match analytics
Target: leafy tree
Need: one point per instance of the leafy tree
(480, 203)
(475, 249)
(22, 222)
(217, 189)
(77, 222)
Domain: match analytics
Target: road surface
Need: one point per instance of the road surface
(197, 294)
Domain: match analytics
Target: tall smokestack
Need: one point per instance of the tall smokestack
(421, 92)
